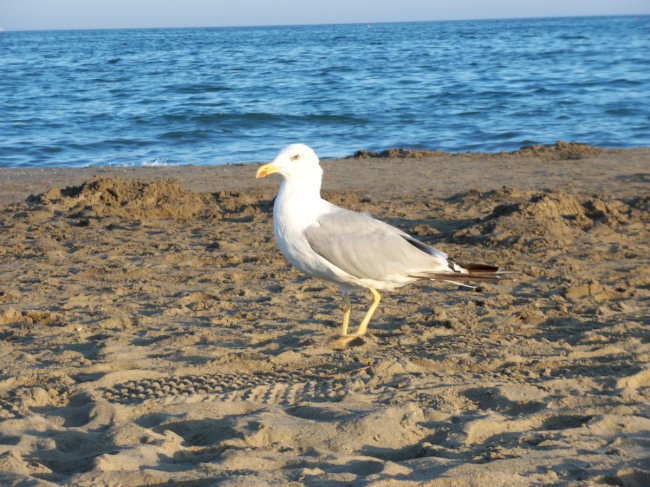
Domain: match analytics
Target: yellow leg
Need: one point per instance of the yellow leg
(344, 339)
(346, 315)
(376, 298)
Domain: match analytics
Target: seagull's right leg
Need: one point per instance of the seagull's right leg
(343, 339)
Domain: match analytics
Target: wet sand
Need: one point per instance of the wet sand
(151, 331)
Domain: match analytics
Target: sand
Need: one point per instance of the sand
(152, 332)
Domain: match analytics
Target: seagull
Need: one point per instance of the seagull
(348, 248)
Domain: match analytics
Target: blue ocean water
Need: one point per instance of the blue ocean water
(225, 95)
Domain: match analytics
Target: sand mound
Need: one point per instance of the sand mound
(133, 200)
(397, 153)
(549, 217)
(560, 151)
(238, 206)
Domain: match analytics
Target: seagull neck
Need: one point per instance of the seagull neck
(304, 188)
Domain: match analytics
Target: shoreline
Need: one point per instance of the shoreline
(438, 172)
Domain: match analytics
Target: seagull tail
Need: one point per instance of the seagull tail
(475, 272)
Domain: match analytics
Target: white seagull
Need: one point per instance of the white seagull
(349, 248)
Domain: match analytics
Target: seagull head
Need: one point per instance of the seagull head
(295, 160)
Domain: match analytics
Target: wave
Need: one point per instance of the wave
(192, 89)
(260, 118)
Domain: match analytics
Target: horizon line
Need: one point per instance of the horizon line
(2, 30)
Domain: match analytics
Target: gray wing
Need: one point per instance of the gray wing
(369, 248)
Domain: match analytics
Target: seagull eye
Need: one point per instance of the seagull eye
(295, 157)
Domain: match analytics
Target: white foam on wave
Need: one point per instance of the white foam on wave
(155, 163)
(146, 163)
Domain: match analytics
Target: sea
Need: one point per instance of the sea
(146, 97)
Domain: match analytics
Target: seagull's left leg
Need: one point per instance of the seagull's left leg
(376, 298)
(346, 314)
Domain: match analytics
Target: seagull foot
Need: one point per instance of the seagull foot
(344, 341)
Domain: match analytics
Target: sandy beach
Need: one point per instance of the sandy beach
(151, 331)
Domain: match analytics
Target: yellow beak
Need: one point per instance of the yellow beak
(265, 170)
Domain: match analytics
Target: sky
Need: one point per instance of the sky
(108, 14)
